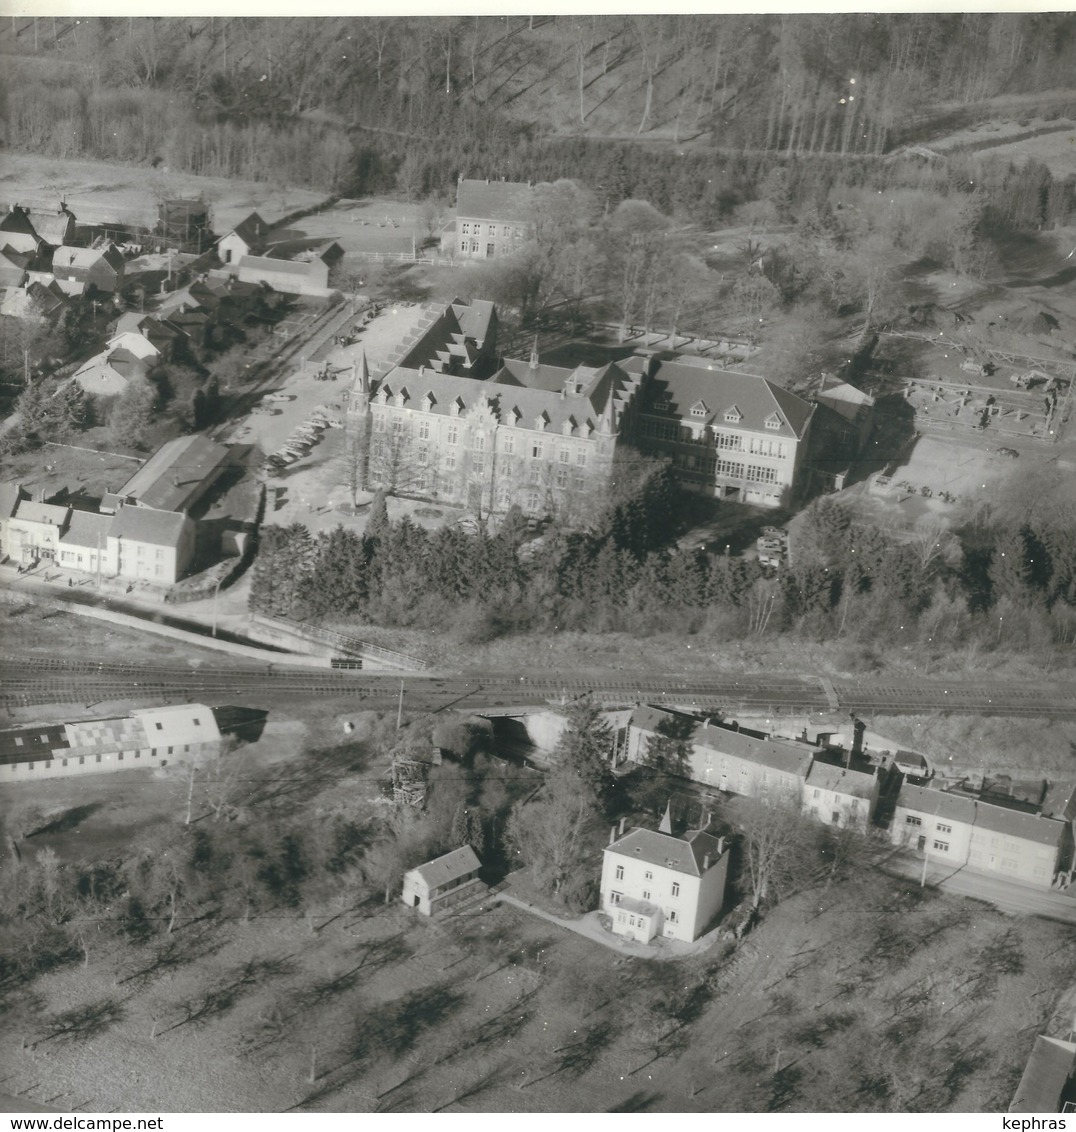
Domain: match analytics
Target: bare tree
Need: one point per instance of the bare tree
(777, 844)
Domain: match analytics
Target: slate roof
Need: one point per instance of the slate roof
(175, 473)
(52, 227)
(678, 385)
(99, 375)
(1049, 1069)
(11, 495)
(23, 242)
(681, 854)
(475, 318)
(82, 259)
(49, 513)
(982, 815)
(854, 783)
(141, 524)
(251, 229)
(278, 266)
(449, 867)
(85, 528)
(135, 343)
(1060, 800)
(493, 200)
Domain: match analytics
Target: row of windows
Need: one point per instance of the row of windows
(646, 876)
(97, 758)
(478, 442)
(469, 227)
(940, 827)
(632, 921)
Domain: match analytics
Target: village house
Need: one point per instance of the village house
(81, 270)
(492, 217)
(543, 437)
(443, 882)
(726, 757)
(13, 267)
(655, 884)
(841, 796)
(962, 831)
(305, 274)
(728, 434)
(148, 737)
(55, 226)
(248, 237)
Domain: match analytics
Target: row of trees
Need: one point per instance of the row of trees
(991, 580)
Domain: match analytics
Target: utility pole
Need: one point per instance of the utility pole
(399, 710)
(216, 590)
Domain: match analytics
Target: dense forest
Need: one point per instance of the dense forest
(340, 103)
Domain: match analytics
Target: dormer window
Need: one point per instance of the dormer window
(733, 415)
(541, 421)
(381, 396)
(455, 408)
(774, 421)
(699, 409)
(428, 403)
(568, 427)
(400, 399)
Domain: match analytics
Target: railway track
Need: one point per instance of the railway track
(28, 681)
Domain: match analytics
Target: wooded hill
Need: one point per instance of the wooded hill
(338, 103)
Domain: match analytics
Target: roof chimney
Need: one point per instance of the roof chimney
(623, 823)
(534, 354)
(612, 834)
(706, 862)
(720, 846)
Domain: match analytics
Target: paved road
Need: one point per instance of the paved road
(1005, 895)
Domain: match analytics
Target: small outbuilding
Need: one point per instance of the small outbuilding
(442, 882)
(1049, 1080)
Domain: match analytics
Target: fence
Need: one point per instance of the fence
(340, 645)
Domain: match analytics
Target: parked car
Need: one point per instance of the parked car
(1009, 453)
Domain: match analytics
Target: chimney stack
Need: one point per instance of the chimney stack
(720, 846)
(706, 862)
(623, 823)
(612, 834)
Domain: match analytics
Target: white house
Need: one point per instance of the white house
(656, 884)
(840, 796)
(962, 831)
(442, 882)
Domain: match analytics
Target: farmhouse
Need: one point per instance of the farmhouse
(492, 217)
(246, 238)
(729, 435)
(656, 884)
(83, 269)
(442, 882)
(146, 737)
(965, 832)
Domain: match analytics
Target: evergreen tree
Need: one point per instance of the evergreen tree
(584, 750)
(131, 415)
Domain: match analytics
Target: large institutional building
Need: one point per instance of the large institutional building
(442, 421)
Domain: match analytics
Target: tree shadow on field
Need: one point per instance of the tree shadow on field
(68, 820)
(638, 1102)
(83, 1022)
(315, 772)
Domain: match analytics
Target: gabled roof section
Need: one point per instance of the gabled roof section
(251, 229)
(141, 524)
(87, 528)
(11, 495)
(449, 867)
(681, 855)
(1049, 1071)
(51, 514)
(841, 780)
(982, 815)
(494, 200)
(175, 473)
(678, 385)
